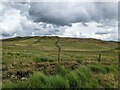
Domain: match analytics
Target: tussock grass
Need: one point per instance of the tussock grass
(64, 79)
(98, 68)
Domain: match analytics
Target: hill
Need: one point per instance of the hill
(24, 56)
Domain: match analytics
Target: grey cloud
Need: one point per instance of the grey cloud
(6, 35)
(68, 13)
(108, 10)
(58, 13)
(101, 26)
(84, 24)
(101, 33)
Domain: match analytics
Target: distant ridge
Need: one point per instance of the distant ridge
(29, 37)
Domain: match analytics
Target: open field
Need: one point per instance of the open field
(85, 63)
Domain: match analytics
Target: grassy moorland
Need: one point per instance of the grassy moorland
(31, 62)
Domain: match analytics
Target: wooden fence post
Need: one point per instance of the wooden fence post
(59, 49)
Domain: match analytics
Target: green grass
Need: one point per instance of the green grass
(39, 59)
(72, 79)
(98, 68)
(24, 53)
(80, 78)
(72, 49)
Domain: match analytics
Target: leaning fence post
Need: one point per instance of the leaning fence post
(59, 49)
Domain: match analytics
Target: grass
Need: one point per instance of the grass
(72, 79)
(39, 59)
(86, 71)
(80, 78)
(98, 68)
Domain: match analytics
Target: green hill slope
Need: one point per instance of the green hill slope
(71, 48)
(32, 54)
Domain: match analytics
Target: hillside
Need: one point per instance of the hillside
(28, 55)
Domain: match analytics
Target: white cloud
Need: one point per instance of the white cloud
(78, 30)
(11, 21)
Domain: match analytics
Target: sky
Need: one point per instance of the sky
(97, 20)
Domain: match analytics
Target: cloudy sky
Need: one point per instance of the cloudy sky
(65, 19)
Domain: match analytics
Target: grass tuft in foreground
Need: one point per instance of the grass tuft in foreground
(64, 79)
